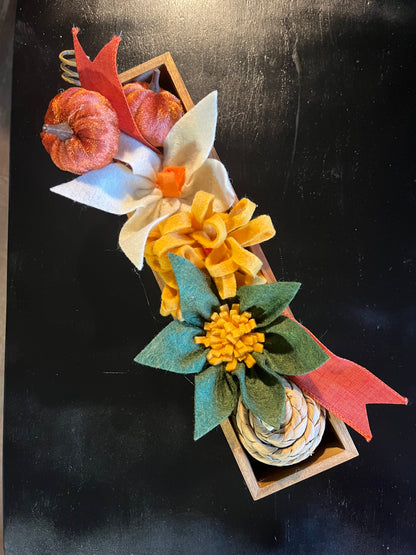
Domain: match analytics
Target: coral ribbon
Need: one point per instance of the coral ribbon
(345, 388)
(101, 76)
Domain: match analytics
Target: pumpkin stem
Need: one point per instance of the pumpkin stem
(62, 130)
(154, 83)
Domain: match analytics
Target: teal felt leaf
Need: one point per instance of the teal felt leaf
(266, 302)
(197, 298)
(216, 395)
(174, 349)
(263, 394)
(289, 349)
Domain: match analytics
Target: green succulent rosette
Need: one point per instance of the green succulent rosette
(287, 349)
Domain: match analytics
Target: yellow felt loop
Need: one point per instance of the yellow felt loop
(157, 264)
(154, 263)
(213, 232)
(258, 230)
(212, 241)
(240, 214)
(178, 223)
(148, 251)
(154, 233)
(202, 207)
(169, 242)
(169, 278)
(148, 248)
(151, 258)
(195, 255)
(219, 262)
(164, 263)
(226, 285)
(247, 262)
(170, 300)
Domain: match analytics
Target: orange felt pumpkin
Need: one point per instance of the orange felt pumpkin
(81, 131)
(154, 110)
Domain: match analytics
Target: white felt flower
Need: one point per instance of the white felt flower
(143, 191)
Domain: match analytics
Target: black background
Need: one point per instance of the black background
(316, 125)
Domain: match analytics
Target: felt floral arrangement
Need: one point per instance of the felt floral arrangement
(232, 330)
(242, 346)
(214, 242)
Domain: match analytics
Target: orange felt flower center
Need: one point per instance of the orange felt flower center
(171, 180)
(229, 334)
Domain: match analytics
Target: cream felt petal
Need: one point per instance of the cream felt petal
(190, 140)
(113, 189)
(142, 160)
(134, 233)
(211, 177)
(119, 190)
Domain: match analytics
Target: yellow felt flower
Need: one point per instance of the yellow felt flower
(215, 242)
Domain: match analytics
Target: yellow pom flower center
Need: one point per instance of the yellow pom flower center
(231, 338)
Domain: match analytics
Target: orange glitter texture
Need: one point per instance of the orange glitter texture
(230, 338)
(94, 126)
(215, 242)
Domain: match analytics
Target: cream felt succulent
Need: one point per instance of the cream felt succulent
(157, 186)
(243, 346)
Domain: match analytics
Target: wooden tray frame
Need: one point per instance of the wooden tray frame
(336, 446)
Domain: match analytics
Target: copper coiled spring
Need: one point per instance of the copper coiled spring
(67, 58)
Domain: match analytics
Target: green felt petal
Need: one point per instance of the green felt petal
(198, 300)
(216, 395)
(263, 394)
(289, 349)
(266, 302)
(174, 349)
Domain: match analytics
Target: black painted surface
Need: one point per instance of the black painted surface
(317, 126)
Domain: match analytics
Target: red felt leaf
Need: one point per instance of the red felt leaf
(345, 388)
(101, 76)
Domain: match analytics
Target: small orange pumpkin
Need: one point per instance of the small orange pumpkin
(154, 110)
(81, 130)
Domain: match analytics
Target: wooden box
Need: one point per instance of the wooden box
(336, 446)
